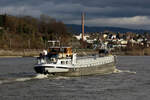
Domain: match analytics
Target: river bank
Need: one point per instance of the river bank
(36, 52)
(20, 53)
(80, 52)
(136, 52)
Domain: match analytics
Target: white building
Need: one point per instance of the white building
(124, 42)
(79, 37)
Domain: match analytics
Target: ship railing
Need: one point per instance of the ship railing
(41, 60)
(88, 62)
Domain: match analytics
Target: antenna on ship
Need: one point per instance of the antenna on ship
(54, 42)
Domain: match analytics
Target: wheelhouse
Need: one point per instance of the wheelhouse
(60, 52)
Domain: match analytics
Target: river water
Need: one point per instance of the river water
(18, 81)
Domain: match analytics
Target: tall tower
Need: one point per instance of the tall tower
(82, 22)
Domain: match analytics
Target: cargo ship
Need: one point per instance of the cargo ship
(62, 61)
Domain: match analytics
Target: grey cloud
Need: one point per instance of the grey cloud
(69, 11)
(99, 8)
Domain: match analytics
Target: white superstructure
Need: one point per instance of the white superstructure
(54, 65)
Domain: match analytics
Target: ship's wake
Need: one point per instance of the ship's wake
(42, 76)
(22, 79)
(124, 71)
(33, 77)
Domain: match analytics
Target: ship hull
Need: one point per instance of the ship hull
(100, 69)
(80, 71)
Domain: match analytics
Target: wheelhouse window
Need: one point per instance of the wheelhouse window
(63, 62)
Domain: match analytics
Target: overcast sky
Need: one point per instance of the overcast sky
(117, 13)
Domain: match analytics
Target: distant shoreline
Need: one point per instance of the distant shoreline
(20, 53)
(136, 52)
(36, 52)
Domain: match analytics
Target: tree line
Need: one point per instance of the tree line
(21, 32)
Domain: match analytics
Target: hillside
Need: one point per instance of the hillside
(27, 32)
(77, 29)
